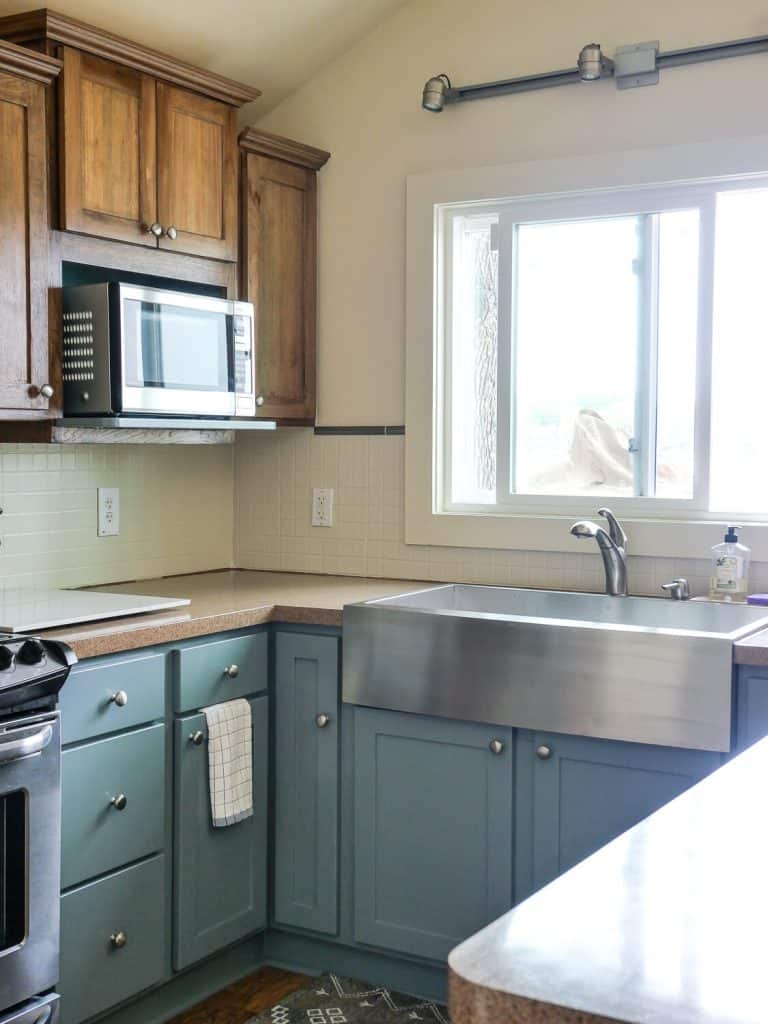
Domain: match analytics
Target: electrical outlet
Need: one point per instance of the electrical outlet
(322, 506)
(108, 499)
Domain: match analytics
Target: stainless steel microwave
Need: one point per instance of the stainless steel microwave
(130, 350)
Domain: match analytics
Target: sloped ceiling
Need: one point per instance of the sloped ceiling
(275, 45)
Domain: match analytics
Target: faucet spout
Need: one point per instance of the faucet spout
(612, 549)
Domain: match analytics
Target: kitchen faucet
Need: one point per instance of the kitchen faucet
(613, 547)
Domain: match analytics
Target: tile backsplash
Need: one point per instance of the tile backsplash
(176, 512)
(274, 478)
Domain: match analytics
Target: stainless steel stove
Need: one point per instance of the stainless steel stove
(32, 671)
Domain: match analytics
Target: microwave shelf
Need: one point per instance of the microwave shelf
(151, 430)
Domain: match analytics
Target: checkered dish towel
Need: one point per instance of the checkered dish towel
(230, 763)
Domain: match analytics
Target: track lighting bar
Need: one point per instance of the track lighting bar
(632, 66)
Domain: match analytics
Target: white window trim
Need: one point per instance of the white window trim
(542, 525)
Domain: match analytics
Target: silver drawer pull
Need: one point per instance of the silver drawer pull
(322, 720)
(196, 737)
(119, 802)
(496, 747)
(118, 940)
(543, 752)
(119, 699)
(232, 671)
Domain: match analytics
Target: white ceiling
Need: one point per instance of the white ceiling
(275, 45)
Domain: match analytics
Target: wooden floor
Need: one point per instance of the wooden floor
(238, 1003)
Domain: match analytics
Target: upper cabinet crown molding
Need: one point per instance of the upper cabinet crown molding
(291, 152)
(17, 60)
(45, 25)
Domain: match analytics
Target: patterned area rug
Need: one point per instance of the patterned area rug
(333, 1000)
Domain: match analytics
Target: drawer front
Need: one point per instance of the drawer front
(95, 972)
(220, 670)
(87, 705)
(97, 834)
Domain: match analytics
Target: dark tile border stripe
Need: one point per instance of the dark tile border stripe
(358, 431)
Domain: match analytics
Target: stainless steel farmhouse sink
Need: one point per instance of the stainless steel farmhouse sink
(641, 669)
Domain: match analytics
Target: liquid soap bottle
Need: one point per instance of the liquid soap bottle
(730, 568)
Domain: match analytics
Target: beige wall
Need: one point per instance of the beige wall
(176, 510)
(365, 108)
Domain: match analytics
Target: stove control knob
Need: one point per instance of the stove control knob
(6, 658)
(31, 652)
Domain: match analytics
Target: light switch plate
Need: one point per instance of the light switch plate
(322, 506)
(109, 511)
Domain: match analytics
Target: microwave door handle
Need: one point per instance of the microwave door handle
(25, 746)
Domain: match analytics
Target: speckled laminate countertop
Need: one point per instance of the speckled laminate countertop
(665, 924)
(230, 599)
(753, 650)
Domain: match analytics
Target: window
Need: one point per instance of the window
(602, 346)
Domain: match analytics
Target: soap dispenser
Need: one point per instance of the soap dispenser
(730, 568)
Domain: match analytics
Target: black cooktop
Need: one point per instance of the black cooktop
(31, 669)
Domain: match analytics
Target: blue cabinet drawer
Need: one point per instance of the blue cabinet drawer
(113, 803)
(219, 670)
(97, 969)
(105, 696)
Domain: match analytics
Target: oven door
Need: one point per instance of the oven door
(176, 354)
(30, 852)
(37, 1011)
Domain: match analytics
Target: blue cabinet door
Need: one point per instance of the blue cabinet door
(751, 705)
(585, 792)
(220, 874)
(433, 830)
(307, 781)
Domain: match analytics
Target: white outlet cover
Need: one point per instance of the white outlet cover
(322, 506)
(108, 500)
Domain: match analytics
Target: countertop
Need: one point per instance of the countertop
(753, 650)
(665, 924)
(229, 599)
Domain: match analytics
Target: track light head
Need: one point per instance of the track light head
(591, 62)
(435, 93)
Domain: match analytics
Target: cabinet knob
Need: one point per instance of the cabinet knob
(196, 737)
(322, 720)
(118, 940)
(171, 233)
(233, 671)
(41, 391)
(543, 752)
(119, 802)
(120, 699)
(259, 400)
(155, 229)
(496, 747)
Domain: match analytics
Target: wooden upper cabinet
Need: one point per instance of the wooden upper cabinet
(197, 180)
(279, 268)
(147, 143)
(25, 370)
(108, 148)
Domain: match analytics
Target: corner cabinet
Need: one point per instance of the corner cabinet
(278, 268)
(432, 830)
(25, 380)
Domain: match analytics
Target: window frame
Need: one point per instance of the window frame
(677, 528)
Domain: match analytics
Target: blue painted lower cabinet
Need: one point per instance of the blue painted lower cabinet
(751, 705)
(432, 832)
(577, 794)
(220, 874)
(307, 781)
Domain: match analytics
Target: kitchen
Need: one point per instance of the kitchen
(260, 443)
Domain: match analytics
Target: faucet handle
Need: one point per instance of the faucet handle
(678, 589)
(615, 529)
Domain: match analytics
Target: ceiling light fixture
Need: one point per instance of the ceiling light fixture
(632, 66)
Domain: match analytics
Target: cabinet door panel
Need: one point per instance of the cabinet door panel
(220, 874)
(433, 830)
(23, 245)
(306, 787)
(109, 149)
(197, 184)
(279, 278)
(589, 791)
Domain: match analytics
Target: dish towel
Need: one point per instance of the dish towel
(230, 762)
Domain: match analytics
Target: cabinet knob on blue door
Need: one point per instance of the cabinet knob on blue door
(197, 737)
(118, 940)
(119, 699)
(544, 752)
(496, 747)
(119, 802)
(322, 720)
(232, 671)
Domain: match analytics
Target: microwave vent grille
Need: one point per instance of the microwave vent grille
(77, 362)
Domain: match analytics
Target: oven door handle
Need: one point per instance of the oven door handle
(25, 746)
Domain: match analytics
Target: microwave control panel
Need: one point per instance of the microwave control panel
(242, 331)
